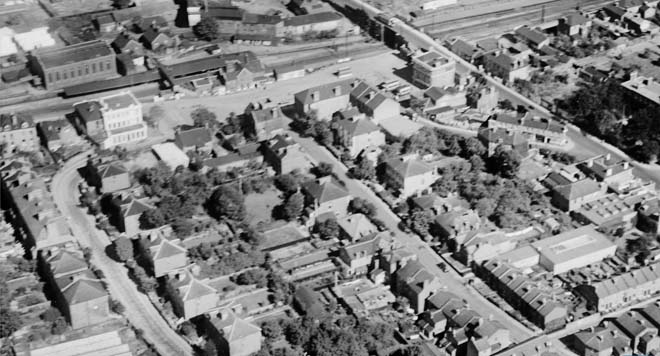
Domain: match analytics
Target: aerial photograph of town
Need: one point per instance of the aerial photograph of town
(329, 177)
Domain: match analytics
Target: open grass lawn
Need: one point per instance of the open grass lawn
(260, 206)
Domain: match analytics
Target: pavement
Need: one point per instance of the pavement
(426, 256)
(139, 310)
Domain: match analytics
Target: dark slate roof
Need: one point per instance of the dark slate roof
(325, 191)
(249, 18)
(195, 137)
(150, 35)
(326, 91)
(578, 189)
(368, 96)
(135, 207)
(531, 35)
(224, 12)
(312, 18)
(74, 53)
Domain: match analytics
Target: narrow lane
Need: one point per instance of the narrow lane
(139, 310)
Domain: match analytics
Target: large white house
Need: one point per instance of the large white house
(122, 119)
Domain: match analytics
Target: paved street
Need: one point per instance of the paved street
(452, 281)
(139, 310)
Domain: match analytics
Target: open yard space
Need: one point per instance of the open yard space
(373, 70)
(264, 6)
(259, 206)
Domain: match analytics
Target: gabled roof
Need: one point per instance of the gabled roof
(112, 169)
(135, 207)
(578, 189)
(358, 127)
(630, 3)
(368, 96)
(409, 167)
(240, 329)
(168, 249)
(325, 190)
(281, 142)
(414, 275)
(531, 35)
(368, 247)
(357, 226)
(325, 91)
(576, 19)
(195, 137)
(66, 262)
(197, 289)
(312, 18)
(151, 34)
(83, 290)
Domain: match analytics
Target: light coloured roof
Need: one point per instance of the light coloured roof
(168, 249)
(325, 91)
(83, 290)
(197, 289)
(410, 167)
(357, 226)
(358, 127)
(572, 244)
(579, 189)
(66, 262)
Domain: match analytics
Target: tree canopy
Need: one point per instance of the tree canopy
(206, 29)
(227, 202)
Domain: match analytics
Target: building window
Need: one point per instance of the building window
(65, 76)
(93, 67)
(86, 68)
(57, 76)
(73, 73)
(79, 72)
(50, 77)
(107, 65)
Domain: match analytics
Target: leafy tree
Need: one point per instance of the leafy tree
(362, 206)
(202, 117)
(227, 203)
(471, 146)
(271, 329)
(389, 151)
(477, 163)
(322, 132)
(419, 221)
(156, 113)
(504, 162)
(10, 321)
(364, 170)
(59, 326)
(210, 349)
(453, 146)
(234, 124)
(182, 227)
(123, 248)
(253, 276)
(287, 183)
(506, 105)
(146, 283)
(117, 307)
(328, 229)
(151, 219)
(323, 169)
(293, 207)
(206, 29)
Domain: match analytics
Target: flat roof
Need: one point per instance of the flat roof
(572, 244)
(74, 53)
(119, 101)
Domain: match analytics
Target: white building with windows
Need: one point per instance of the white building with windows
(122, 119)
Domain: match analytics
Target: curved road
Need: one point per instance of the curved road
(139, 310)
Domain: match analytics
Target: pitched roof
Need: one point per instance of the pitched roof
(112, 169)
(414, 274)
(195, 137)
(240, 329)
(531, 35)
(312, 18)
(325, 91)
(358, 127)
(66, 262)
(409, 167)
(369, 247)
(367, 95)
(357, 226)
(168, 249)
(135, 207)
(74, 53)
(325, 190)
(575, 19)
(197, 289)
(83, 290)
(461, 47)
(578, 189)
(15, 121)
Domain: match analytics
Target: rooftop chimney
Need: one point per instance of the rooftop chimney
(14, 120)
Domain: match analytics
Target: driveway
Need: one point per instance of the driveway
(426, 256)
(139, 310)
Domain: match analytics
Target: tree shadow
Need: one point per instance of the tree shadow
(110, 252)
